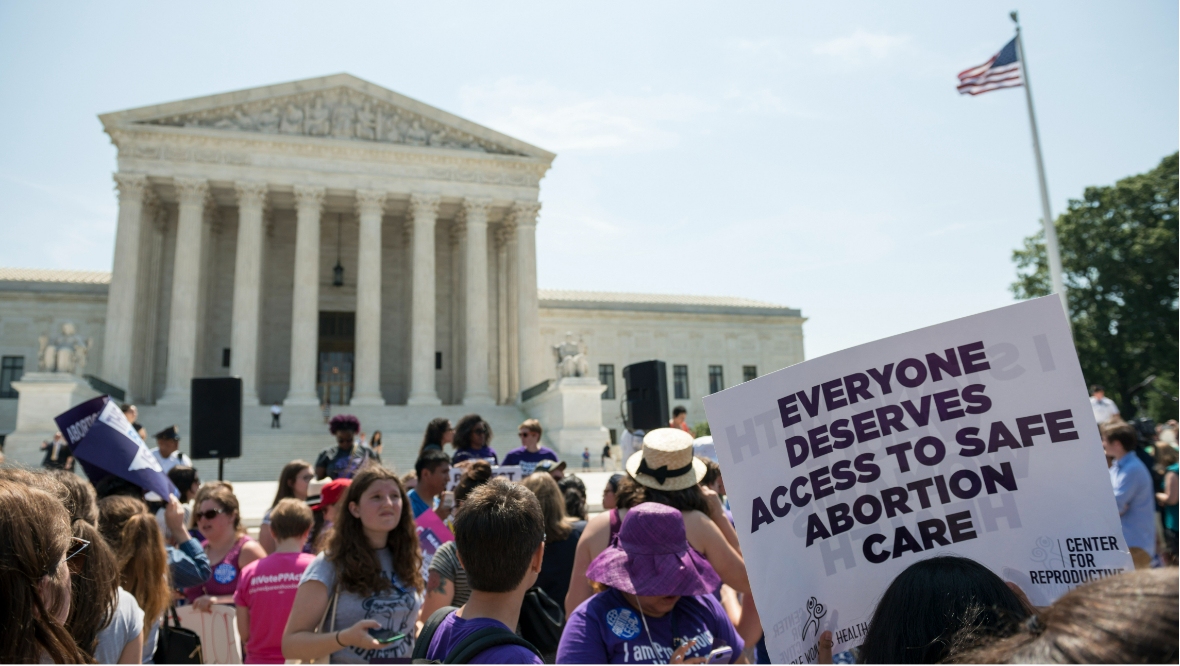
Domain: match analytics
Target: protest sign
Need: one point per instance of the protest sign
(432, 534)
(220, 641)
(510, 472)
(974, 438)
(105, 443)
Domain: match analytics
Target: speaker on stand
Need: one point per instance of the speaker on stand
(646, 397)
(215, 419)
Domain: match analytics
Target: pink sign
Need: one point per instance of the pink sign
(432, 532)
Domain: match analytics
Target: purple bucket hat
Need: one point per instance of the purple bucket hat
(652, 557)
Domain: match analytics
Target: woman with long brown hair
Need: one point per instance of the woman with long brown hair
(35, 544)
(293, 482)
(439, 433)
(135, 537)
(561, 536)
(366, 587)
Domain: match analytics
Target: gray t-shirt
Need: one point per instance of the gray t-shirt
(395, 608)
(125, 625)
(446, 563)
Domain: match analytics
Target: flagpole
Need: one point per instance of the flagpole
(1047, 215)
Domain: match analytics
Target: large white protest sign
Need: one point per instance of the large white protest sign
(973, 438)
(220, 641)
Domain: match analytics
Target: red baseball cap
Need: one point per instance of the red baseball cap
(332, 492)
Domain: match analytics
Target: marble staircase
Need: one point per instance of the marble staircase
(304, 434)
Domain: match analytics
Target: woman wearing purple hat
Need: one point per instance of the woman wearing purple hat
(658, 608)
(665, 472)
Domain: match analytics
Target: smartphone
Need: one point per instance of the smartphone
(721, 655)
(376, 633)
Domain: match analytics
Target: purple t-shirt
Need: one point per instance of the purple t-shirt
(605, 629)
(486, 453)
(454, 629)
(528, 460)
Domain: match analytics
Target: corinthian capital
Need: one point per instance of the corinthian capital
(192, 191)
(131, 185)
(504, 233)
(424, 206)
(251, 194)
(476, 209)
(524, 213)
(307, 196)
(370, 202)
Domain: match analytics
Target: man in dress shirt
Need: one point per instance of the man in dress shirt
(1131, 481)
(1104, 407)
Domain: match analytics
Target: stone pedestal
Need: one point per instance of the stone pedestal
(43, 395)
(571, 414)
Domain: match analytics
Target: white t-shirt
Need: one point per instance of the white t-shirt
(396, 608)
(1103, 409)
(125, 625)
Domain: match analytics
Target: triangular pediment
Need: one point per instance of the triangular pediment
(338, 107)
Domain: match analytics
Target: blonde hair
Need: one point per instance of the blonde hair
(138, 543)
(290, 518)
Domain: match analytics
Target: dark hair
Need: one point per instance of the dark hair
(712, 471)
(463, 431)
(357, 566)
(344, 422)
(1129, 618)
(138, 544)
(287, 479)
(478, 472)
(1094, 388)
(678, 410)
(111, 485)
(631, 494)
(1123, 433)
(574, 493)
(34, 535)
(290, 518)
(613, 482)
(375, 439)
(430, 459)
(94, 588)
(126, 407)
(434, 433)
(496, 533)
(183, 477)
(81, 499)
(928, 604)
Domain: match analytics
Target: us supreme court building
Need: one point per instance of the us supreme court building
(332, 240)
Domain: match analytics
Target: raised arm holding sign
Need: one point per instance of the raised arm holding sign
(971, 438)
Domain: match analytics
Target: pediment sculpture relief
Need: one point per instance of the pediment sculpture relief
(339, 114)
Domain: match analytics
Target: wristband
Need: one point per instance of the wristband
(338, 640)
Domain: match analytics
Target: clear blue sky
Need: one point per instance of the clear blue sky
(814, 155)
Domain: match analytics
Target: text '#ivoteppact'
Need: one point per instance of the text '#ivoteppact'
(973, 437)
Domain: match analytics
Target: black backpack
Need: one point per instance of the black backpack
(469, 647)
(541, 622)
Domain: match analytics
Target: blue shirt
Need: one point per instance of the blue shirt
(189, 564)
(1136, 501)
(528, 459)
(418, 504)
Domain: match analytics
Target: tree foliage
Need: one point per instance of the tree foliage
(1119, 258)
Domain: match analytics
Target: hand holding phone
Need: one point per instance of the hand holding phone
(376, 633)
(721, 655)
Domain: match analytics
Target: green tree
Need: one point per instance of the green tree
(1119, 257)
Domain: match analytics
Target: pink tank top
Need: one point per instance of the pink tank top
(224, 580)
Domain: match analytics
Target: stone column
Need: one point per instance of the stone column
(424, 211)
(247, 288)
(366, 373)
(121, 299)
(193, 194)
(529, 324)
(477, 390)
(503, 359)
(305, 299)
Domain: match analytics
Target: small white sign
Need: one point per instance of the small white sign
(973, 438)
(509, 472)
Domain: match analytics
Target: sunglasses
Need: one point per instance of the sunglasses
(210, 514)
(524, 433)
(479, 431)
(75, 548)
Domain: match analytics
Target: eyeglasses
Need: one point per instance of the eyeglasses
(210, 514)
(75, 548)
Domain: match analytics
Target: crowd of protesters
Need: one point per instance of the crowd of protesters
(92, 573)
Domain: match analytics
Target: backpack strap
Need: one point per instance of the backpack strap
(489, 637)
(422, 643)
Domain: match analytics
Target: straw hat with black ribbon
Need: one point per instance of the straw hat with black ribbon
(666, 461)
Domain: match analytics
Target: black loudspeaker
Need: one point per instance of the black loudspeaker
(216, 418)
(647, 396)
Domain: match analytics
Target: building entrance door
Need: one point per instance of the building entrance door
(336, 346)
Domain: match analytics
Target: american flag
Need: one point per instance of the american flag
(1002, 71)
